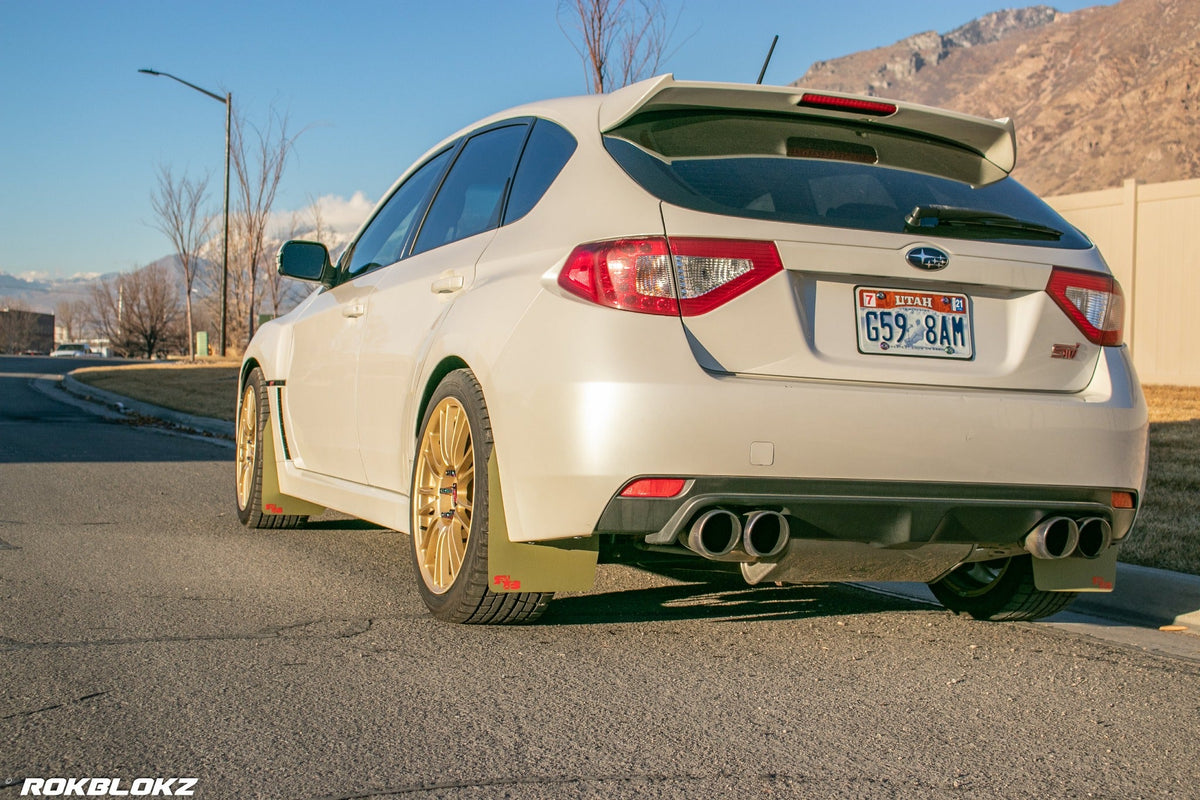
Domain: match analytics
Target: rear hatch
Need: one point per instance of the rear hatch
(905, 252)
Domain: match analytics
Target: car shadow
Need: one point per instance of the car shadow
(717, 593)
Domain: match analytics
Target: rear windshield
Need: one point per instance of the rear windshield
(805, 170)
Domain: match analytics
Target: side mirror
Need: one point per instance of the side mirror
(305, 261)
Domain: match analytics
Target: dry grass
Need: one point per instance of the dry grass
(1167, 534)
(206, 389)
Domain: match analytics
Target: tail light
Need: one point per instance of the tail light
(1093, 301)
(673, 277)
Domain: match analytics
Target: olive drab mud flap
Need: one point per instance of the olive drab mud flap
(274, 501)
(567, 565)
(1076, 574)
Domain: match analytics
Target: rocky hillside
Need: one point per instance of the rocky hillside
(1098, 95)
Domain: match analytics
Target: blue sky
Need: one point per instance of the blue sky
(371, 84)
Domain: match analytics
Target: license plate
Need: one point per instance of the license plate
(906, 323)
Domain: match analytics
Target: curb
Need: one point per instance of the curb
(1142, 596)
(1147, 596)
(205, 425)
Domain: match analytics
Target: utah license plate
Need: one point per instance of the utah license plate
(907, 323)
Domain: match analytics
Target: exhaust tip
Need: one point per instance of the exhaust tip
(715, 533)
(1054, 537)
(766, 534)
(1095, 536)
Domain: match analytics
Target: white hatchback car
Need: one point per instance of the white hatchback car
(825, 337)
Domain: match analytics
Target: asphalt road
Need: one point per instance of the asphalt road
(144, 633)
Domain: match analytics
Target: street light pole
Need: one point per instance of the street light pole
(228, 101)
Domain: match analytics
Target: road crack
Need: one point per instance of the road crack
(44, 709)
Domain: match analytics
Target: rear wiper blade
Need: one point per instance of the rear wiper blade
(924, 217)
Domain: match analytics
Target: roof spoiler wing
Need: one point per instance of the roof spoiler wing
(993, 140)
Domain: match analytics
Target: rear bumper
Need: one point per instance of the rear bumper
(880, 513)
(614, 396)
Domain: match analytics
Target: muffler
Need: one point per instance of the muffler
(1054, 537)
(715, 533)
(1095, 535)
(765, 534)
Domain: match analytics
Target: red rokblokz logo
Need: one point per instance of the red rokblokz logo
(108, 787)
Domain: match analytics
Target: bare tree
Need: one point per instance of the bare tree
(619, 41)
(258, 162)
(282, 294)
(138, 312)
(237, 308)
(70, 315)
(177, 207)
(105, 308)
(320, 232)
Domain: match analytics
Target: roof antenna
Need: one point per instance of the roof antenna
(763, 72)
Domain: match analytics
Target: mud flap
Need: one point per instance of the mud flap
(567, 565)
(274, 501)
(1076, 574)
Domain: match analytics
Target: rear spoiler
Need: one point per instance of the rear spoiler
(993, 140)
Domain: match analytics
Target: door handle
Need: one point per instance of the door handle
(354, 310)
(447, 285)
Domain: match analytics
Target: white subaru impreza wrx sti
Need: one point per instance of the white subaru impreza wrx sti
(821, 336)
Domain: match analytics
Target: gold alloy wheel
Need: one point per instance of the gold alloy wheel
(444, 495)
(247, 444)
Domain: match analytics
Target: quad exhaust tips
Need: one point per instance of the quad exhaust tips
(1060, 537)
(720, 535)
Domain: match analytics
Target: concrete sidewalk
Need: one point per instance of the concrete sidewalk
(1142, 596)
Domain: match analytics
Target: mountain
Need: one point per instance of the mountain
(44, 295)
(1098, 95)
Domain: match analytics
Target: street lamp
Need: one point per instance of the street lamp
(228, 101)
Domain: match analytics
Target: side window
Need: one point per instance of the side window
(470, 199)
(546, 153)
(383, 240)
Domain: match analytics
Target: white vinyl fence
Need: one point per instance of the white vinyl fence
(1150, 237)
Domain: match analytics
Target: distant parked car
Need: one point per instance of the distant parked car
(822, 336)
(72, 350)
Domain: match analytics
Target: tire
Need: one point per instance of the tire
(449, 517)
(253, 417)
(1001, 590)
